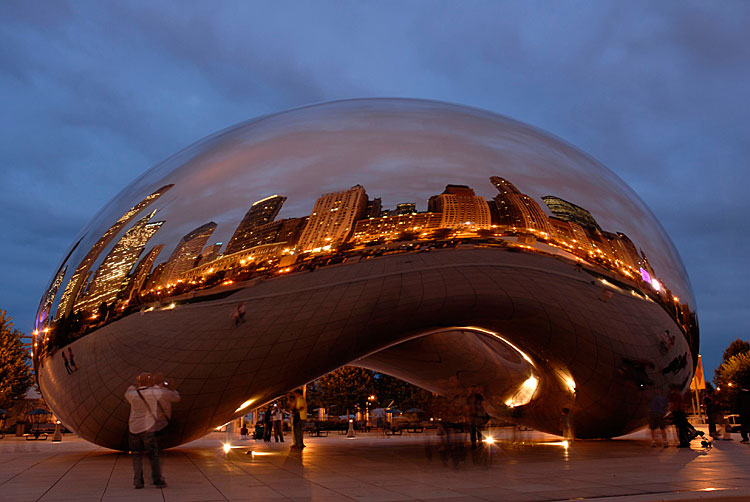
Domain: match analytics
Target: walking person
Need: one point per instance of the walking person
(150, 410)
(299, 416)
(657, 409)
(67, 363)
(277, 415)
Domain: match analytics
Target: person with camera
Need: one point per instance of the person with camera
(150, 410)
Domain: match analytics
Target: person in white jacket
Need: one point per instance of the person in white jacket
(150, 410)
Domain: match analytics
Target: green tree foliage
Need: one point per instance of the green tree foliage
(15, 369)
(736, 347)
(341, 390)
(348, 389)
(733, 373)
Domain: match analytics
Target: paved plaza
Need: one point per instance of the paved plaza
(521, 466)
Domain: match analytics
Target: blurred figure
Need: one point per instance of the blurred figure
(477, 415)
(709, 404)
(243, 431)
(743, 408)
(566, 424)
(657, 410)
(679, 417)
(238, 316)
(150, 410)
(278, 420)
(267, 424)
(299, 416)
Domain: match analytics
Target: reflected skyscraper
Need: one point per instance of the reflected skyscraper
(183, 257)
(141, 272)
(260, 213)
(516, 209)
(460, 207)
(333, 218)
(72, 290)
(567, 211)
(111, 276)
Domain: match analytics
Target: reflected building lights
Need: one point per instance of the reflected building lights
(508, 197)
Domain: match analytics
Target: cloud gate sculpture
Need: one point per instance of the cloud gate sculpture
(440, 244)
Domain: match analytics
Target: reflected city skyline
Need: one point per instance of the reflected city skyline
(436, 243)
(341, 226)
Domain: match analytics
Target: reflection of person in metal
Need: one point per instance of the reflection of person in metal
(67, 363)
(72, 359)
(239, 314)
(150, 410)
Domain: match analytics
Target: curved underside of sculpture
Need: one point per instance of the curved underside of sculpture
(537, 332)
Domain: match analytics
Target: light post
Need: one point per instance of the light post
(370, 401)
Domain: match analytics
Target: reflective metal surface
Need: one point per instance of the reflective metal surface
(517, 261)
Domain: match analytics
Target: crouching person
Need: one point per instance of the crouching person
(150, 410)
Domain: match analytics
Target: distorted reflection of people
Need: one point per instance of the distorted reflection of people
(72, 359)
(238, 316)
(67, 363)
(150, 411)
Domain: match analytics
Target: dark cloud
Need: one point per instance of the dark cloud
(94, 93)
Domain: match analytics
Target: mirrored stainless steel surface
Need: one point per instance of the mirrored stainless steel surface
(370, 232)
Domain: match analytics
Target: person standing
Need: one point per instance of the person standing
(708, 404)
(278, 419)
(267, 424)
(679, 417)
(743, 408)
(477, 415)
(150, 409)
(299, 416)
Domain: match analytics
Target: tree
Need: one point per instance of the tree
(342, 390)
(733, 373)
(736, 347)
(15, 369)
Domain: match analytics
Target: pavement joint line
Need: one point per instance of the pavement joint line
(109, 478)
(185, 453)
(64, 474)
(29, 467)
